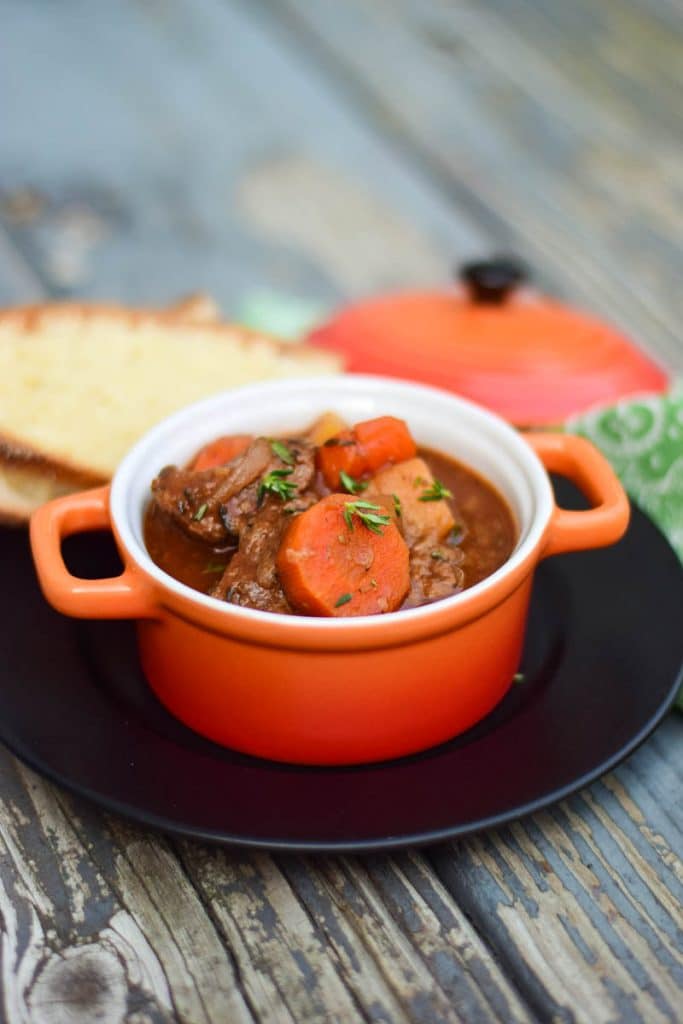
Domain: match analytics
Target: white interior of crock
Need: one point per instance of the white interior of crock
(437, 420)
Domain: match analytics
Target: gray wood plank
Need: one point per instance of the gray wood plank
(583, 903)
(624, 53)
(499, 129)
(100, 924)
(18, 281)
(394, 936)
(102, 920)
(149, 171)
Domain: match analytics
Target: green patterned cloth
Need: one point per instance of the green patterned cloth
(642, 437)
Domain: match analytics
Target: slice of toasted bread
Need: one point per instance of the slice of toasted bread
(79, 384)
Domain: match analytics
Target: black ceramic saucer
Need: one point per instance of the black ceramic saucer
(601, 665)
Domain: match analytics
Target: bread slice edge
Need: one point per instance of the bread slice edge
(29, 476)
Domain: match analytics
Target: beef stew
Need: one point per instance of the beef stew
(332, 522)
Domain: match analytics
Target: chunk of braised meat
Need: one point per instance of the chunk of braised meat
(239, 509)
(193, 498)
(435, 572)
(212, 504)
(251, 578)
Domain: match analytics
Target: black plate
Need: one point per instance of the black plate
(601, 664)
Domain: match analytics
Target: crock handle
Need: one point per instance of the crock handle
(120, 597)
(583, 464)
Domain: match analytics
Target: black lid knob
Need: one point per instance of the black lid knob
(491, 281)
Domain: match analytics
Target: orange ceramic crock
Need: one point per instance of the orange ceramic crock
(331, 691)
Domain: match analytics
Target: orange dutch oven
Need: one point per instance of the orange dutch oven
(332, 691)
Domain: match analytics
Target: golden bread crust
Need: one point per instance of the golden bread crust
(29, 476)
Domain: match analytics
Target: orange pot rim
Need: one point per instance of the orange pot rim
(273, 629)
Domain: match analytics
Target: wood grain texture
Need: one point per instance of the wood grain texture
(99, 921)
(331, 150)
(160, 203)
(382, 929)
(588, 895)
(512, 128)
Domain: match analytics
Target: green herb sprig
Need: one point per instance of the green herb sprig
(276, 483)
(370, 515)
(351, 485)
(436, 492)
(342, 599)
(282, 451)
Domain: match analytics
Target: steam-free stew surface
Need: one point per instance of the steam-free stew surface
(485, 532)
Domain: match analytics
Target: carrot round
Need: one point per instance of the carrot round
(371, 445)
(222, 450)
(344, 557)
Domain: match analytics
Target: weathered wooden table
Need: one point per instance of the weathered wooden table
(328, 150)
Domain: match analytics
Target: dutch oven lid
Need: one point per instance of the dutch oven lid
(492, 339)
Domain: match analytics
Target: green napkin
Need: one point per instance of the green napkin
(642, 437)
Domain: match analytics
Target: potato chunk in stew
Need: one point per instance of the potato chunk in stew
(413, 484)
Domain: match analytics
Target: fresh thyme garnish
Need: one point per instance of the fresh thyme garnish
(200, 513)
(438, 556)
(212, 567)
(398, 508)
(342, 599)
(351, 485)
(369, 514)
(436, 492)
(282, 451)
(275, 483)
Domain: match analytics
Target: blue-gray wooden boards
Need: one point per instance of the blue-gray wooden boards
(329, 150)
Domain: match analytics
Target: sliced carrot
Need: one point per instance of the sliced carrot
(371, 445)
(384, 440)
(222, 450)
(331, 563)
(340, 454)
